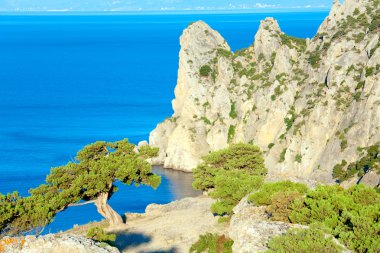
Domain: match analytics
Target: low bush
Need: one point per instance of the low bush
(98, 234)
(243, 157)
(279, 209)
(370, 160)
(230, 187)
(233, 113)
(303, 240)
(352, 216)
(205, 70)
(212, 243)
(314, 59)
(268, 190)
(230, 174)
(231, 133)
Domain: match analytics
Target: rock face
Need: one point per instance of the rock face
(309, 104)
(58, 244)
(251, 231)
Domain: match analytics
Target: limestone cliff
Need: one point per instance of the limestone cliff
(309, 104)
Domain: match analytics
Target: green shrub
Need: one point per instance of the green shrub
(369, 161)
(352, 215)
(230, 187)
(289, 121)
(283, 153)
(375, 23)
(224, 52)
(212, 243)
(205, 70)
(303, 240)
(265, 195)
(298, 158)
(98, 234)
(231, 174)
(271, 145)
(314, 59)
(231, 133)
(206, 120)
(9, 209)
(293, 42)
(279, 209)
(233, 113)
(244, 157)
(369, 71)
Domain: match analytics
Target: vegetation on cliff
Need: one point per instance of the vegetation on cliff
(229, 175)
(212, 243)
(370, 160)
(98, 234)
(352, 216)
(303, 240)
(88, 179)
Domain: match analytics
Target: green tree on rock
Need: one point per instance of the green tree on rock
(90, 178)
(229, 175)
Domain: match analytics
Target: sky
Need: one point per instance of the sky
(160, 5)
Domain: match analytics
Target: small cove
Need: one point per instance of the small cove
(175, 185)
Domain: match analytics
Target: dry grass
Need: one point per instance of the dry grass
(82, 230)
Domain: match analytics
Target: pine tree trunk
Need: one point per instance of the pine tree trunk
(106, 210)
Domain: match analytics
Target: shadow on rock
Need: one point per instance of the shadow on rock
(128, 241)
(172, 250)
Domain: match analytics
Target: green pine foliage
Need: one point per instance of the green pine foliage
(205, 70)
(293, 42)
(231, 133)
(9, 204)
(233, 113)
(230, 187)
(369, 161)
(98, 234)
(91, 176)
(277, 197)
(303, 240)
(279, 209)
(230, 174)
(314, 59)
(352, 216)
(212, 243)
(267, 191)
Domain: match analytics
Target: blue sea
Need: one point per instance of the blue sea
(69, 80)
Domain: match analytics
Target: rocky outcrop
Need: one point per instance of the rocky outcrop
(251, 230)
(57, 244)
(309, 104)
(168, 228)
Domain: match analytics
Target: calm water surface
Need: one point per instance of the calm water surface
(66, 81)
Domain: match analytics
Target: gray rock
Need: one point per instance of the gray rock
(251, 230)
(371, 179)
(265, 85)
(58, 244)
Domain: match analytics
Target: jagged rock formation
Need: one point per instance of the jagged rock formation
(57, 244)
(309, 104)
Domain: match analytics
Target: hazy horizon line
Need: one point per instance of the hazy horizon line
(163, 12)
